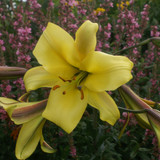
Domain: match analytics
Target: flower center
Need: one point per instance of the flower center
(74, 83)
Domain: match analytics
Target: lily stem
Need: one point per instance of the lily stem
(137, 45)
(133, 111)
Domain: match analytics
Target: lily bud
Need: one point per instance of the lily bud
(7, 73)
(150, 119)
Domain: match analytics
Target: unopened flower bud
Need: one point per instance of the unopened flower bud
(7, 73)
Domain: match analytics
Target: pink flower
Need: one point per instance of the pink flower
(73, 151)
(1, 42)
(51, 4)
(8, 88)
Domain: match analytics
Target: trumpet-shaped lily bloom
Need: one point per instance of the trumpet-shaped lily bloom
(29, 114)
(77, 75)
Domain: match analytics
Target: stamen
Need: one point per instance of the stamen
(80, 89)
(62, 79)
(65, 80)
(82, 94)
(55, 87)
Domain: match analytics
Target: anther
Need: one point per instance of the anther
(82, 94)
(80, 89)
(55, 87)
(64, 92)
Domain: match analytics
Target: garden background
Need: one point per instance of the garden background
(121, 24)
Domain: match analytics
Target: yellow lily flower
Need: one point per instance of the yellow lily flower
(29, 114)
(77, 74)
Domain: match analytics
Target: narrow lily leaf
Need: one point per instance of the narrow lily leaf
(28, 111)
(29, 137)
(24, 97)
(46, 147)
(154, 119)
(124, 126)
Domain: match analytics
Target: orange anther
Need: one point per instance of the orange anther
(82, 94)
(55, 87)
(64, 92)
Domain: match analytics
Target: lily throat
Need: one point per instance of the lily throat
(76, 82)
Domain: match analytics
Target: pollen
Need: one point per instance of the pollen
(81, 91)
(64, 92)
(55, 87)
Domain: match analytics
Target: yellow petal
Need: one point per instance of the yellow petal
(85, 41)
(55, 49)
(46, 147)
(107, 72)
(149, 102)
(8, 105)
(65, 110)
(38, 77)
(24, 97)
(29, 137)
(106, 106)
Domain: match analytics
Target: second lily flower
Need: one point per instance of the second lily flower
(77, 74)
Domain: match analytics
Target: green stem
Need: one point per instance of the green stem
(133, 111)
(153, 39)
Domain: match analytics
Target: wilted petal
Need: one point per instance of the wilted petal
(38, 77)
(65, 107)
(29, 137)
(106, 106)
(85, 41)
(107, 72)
